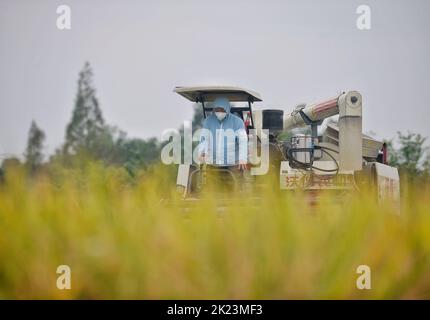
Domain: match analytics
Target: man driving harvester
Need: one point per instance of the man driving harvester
(223, 146)
(227, 143)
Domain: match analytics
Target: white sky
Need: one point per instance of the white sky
(288, 51)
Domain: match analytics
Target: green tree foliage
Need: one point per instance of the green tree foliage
(34, 151)
(107, 145)
(87, 125)
(89, 137)
(138, 153)
(410, 155)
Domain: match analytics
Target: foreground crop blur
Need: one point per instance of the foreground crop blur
(122, 239)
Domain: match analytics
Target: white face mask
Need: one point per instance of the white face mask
(220, 115)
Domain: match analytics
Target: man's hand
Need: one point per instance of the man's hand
(242, 165)
(202, 158)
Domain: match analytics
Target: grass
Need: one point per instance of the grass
(121, 242)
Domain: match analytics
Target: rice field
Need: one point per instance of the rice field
(122, 242)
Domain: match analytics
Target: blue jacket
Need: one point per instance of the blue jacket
(224, 146)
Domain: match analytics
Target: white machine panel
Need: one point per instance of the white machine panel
(388, 182)
(183, 174)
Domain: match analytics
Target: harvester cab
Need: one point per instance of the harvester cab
(207, 95)
(191, 178)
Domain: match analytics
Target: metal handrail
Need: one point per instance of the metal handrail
(212, 169)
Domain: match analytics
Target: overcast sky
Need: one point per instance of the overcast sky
(288, 51)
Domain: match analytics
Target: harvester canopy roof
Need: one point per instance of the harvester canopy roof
(210, 93)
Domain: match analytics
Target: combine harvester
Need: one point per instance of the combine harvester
(341, 160)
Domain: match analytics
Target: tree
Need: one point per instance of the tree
(88, 137)
(107, 145)
(87, 123)
(34, 151)
(409, 157)
(138, 153)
